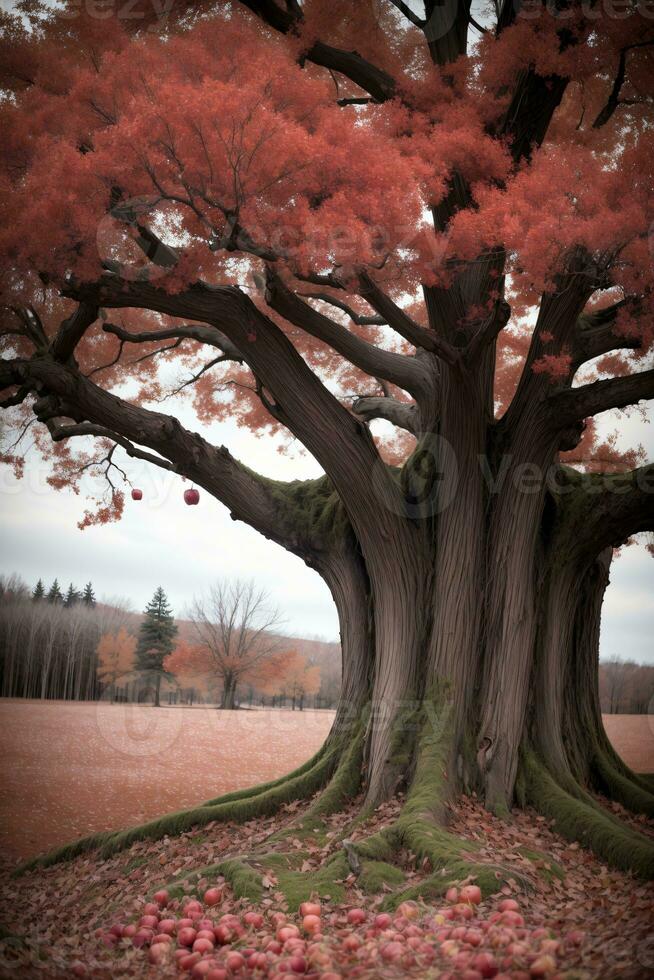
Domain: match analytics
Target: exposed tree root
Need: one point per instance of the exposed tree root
(628, 789)
(579, 818)
(342, 787)
(372, 860)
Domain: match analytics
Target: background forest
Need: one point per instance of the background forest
(57, 644)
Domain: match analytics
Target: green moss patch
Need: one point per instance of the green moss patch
(582, 820)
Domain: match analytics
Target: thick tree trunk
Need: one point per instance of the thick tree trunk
(539, 659)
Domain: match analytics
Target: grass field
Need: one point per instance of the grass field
(68, 768)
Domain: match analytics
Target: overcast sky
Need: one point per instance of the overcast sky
(161, 541)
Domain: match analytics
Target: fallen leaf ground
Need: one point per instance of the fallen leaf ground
(50, 917)
(68, 769)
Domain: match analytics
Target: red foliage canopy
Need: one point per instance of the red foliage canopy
(246, 144)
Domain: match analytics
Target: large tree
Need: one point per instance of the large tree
(332, 214)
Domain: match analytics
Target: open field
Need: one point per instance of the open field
(633, 738)
(68, 769)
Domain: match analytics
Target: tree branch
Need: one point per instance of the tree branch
(404, 416)
(406, 372)
(596, 334)
(17, 398)
(377, 82)
(572, 404)
(203, 333)
(338, 439)
(72, 330)
(400, 321)
(614, 506)
(198, 374)
(360, 319)
(61, 432)
(614, 100)
(264, 504)
(409, 13)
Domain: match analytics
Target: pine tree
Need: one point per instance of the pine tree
(156, 638)
(88, 596)
(39, 591)
(54, 593)
(72, 596)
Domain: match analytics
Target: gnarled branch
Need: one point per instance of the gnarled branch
(203, 333)
(403, 415)
(400, 321)
(572, 404)
(596, 334)
(61, 432)
(361, 319)
(406, 372)
(614, 506)
(377, 82)
(614, 99)
(73, 329)
(264, 504)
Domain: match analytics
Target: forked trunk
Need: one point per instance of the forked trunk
(528, 672)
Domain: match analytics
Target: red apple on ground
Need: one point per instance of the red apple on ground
(471, 894)
(202, 946)
(159, 953)
(254, 919)
(311, 924)
(212, 896)
(160, 897)
(235, 962)
(486, 964)
(188, 961)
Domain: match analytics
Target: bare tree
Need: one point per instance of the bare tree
(236, 624)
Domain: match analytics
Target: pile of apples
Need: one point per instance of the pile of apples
(338, 943)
